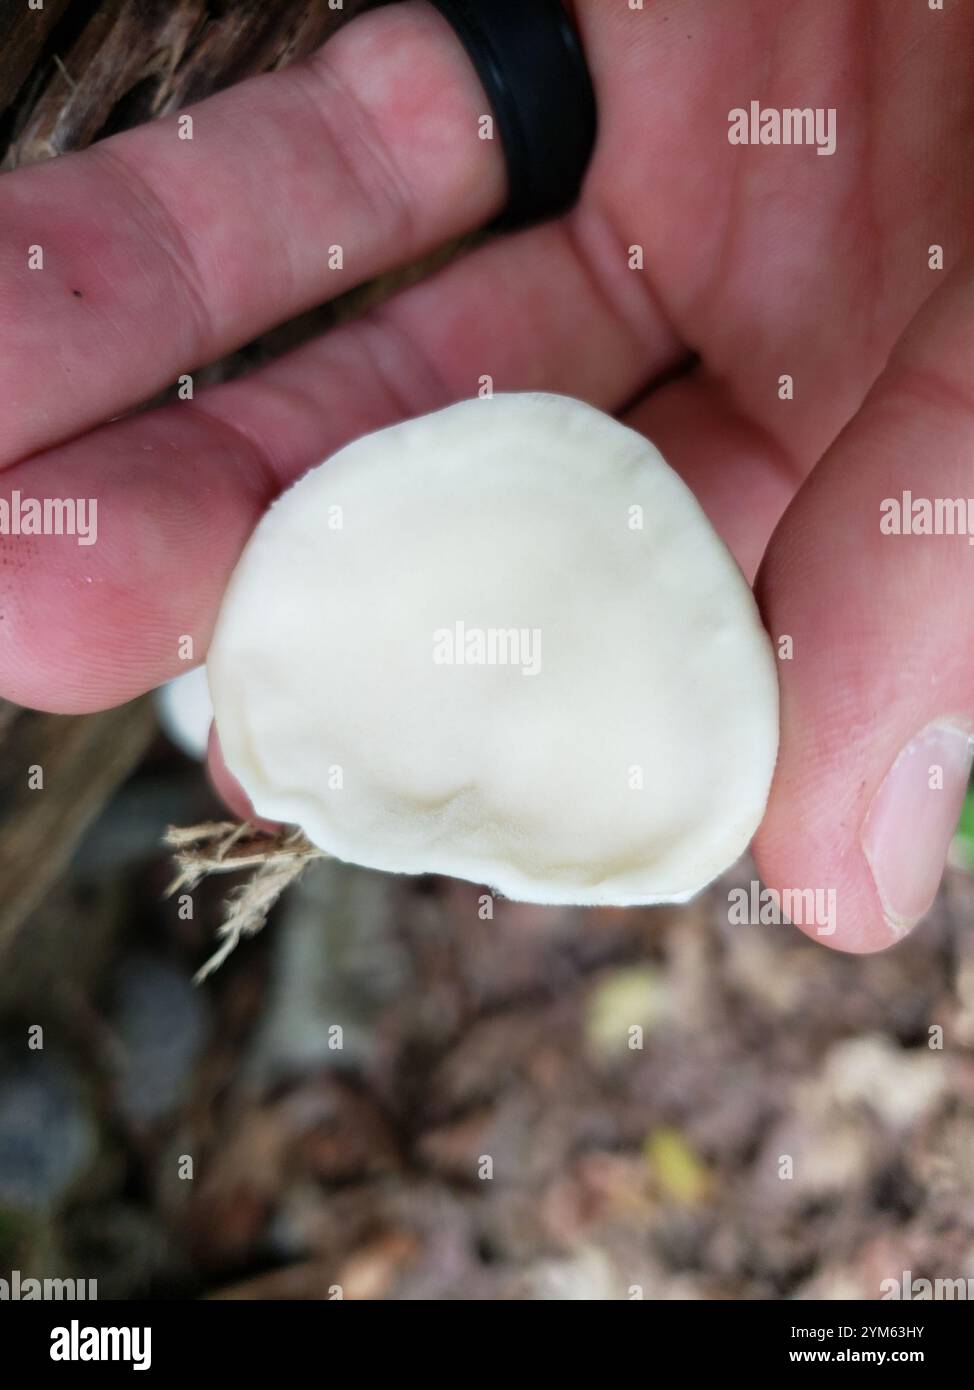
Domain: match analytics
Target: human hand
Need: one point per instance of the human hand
(162, 254)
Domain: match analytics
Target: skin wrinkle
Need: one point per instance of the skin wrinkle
(789, 468)
(258, 474)
(173, 243)
(377, 176)
(427, 388)
(932, 388)
(213, 404)
(586, 228)
(733, 221)
(873, 265)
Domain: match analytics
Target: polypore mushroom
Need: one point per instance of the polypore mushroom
(502, 642)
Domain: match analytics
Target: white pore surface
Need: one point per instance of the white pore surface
(631, 766)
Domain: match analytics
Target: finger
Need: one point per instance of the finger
(878, 700)
(180, 489)
(228, 789)
(161, 253)
(542, 310)
(741, 475)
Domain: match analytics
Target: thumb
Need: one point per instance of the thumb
(876, 592)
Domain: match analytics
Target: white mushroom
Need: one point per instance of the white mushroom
(501, 642)
(186, 712)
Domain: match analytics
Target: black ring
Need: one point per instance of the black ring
(530, 62)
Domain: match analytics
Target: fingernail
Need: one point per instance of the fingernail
(912, 818)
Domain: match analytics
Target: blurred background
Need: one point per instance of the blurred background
(672, 1106)
(636, 1077)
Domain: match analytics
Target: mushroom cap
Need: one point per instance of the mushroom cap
(501, 642)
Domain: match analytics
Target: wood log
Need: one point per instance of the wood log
(67, 82)
(82, 760)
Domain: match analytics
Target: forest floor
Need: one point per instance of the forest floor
(385, 1093)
